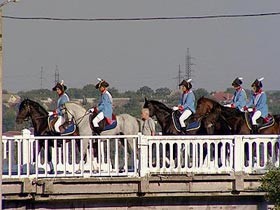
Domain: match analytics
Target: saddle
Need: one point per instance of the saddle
(191, 126)
(104, 125)
(263, 123)
(66, 129)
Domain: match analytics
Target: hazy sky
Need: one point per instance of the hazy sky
(130, 55)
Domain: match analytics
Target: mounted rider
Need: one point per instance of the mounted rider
(186, 103)
(239, 99)
(60, 89)
(258, 103)
(104, 108)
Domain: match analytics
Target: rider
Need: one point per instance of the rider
(258, 102)
(186, 103)
(60, 89)
(104, 108)
(239, 98)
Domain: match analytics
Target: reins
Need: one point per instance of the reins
(79, 120)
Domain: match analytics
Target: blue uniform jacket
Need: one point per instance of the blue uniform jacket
(61, 100)
(239, 99)
(105, 104)
(187, 100)
(258, 101)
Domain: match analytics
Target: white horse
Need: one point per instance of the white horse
(126, 124)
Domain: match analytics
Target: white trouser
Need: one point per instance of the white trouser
(185, 115)
(97, 119)
(256, 116)
(58, 123)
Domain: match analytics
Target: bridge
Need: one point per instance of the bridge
(139, 172)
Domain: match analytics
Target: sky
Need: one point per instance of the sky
(130, 55)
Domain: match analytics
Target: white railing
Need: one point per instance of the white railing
(137, 155)
(103, 156)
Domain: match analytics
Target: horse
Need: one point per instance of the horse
(163, 115)
(126, 125)
(235, 119)
(39, 118)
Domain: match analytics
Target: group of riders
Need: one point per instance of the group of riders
(103, 110)
(257, 103)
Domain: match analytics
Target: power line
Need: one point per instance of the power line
(146, 18)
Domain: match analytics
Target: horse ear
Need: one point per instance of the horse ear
(145, 99)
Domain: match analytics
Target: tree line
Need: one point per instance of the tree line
(133, 107)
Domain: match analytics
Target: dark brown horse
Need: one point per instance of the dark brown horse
(234, 118)
(39, 118)
(163, 115)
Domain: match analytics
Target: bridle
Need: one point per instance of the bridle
(77, 121)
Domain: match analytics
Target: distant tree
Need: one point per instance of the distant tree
(90, 91)
(9, 117)
(145, 91)
(37, 94)
(75, 93)
(114, 92)
(200, 92)
(162, 92)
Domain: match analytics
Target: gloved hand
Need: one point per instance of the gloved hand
(91, 110)
(245, 108)
(181, 108)
(175, 108)
(250, 109)
(54, 113)
(227, 105)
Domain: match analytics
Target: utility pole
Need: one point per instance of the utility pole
(56, 75)
(41, 78)
(179, 77)
(189, 65)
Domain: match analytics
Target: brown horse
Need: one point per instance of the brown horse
(234, 118)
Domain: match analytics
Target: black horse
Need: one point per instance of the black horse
(163, 115)
(39, 118)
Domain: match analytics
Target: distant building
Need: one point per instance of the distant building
(11, 99)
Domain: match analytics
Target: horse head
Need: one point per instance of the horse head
(29, 108)
(23, 111)
(156, 107)
(205, 106)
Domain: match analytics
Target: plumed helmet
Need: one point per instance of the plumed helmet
(186, 83)
(101, 83)
(237, 82)
(257, 83)
(60, 85)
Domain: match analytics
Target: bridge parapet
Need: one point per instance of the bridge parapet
(27, 156)
(98, 168)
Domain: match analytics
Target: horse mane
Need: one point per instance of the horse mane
(36, 105)
(160, 105)
(228, 111)
(75, 104)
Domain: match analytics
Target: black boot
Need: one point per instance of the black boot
(255, 129)
(184, 130)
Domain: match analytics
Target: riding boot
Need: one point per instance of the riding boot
(184, 130)
(51, 168)
(255, 129)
